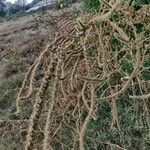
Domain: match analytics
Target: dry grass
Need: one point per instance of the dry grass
(20, 41)
(11, 25)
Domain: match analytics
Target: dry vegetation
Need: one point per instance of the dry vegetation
(88, 88)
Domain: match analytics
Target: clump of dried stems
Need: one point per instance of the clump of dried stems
(81, 62)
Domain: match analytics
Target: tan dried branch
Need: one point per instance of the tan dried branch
(46, 145)
(38, 107)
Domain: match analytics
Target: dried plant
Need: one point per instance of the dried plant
(80, 65)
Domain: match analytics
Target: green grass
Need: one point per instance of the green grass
(134, 132)
(8, 89)
(90, 5)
